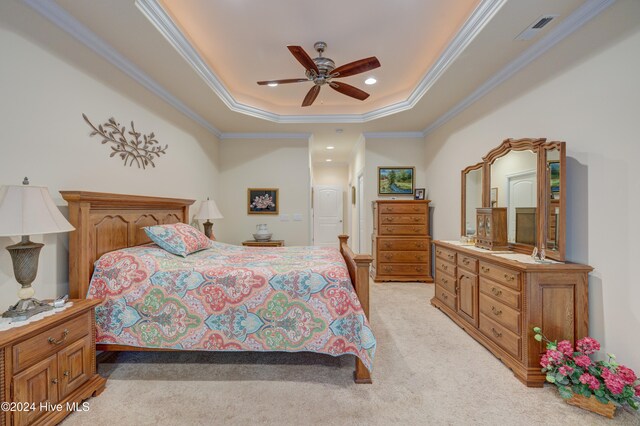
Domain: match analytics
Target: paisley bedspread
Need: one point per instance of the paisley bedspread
(231, 298)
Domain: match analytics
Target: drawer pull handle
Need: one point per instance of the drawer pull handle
(389, 219)
(509, 277)
(439, 252)
(53, 341)
(420, 257)
(496, 333)
(445, 267)
(416, 230)
(495, 311)
(54, 381)
(389, 229)
(420, 245)
(444, 296)
(450, 256)
(415, 209)
(419, 269)
(387, 268)
(465, 261)
(389, 208)
(387, 244)
(388, 256)
(416, 219)
(444, 280)
(496, 291)
(66, 373)
(485, 269)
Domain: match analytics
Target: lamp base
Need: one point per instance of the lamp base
(26, 308)
(208, 229)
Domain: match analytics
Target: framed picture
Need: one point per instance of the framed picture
(353, 195)
(554, 178)
(419, 194)
(396, 180)
(262, 200)
(494, 197)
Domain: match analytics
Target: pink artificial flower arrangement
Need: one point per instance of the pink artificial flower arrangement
(573, 371)
(263, 202)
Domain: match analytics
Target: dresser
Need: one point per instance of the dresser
(498, 301)
(401, 244)
(48, 367)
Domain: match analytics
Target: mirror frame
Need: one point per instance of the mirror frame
(463, 192)
(540, 147)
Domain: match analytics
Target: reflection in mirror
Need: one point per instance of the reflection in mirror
(473, 199)
(553, 198)
(514, 180)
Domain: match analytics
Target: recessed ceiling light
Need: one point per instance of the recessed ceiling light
(272, 84)
(370, 81)
(331, 147)
(328, 160)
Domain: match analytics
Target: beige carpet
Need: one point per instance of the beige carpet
(427, 371)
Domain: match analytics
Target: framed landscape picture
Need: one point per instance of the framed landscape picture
(554, 178)
(262, 201)
(396, 180)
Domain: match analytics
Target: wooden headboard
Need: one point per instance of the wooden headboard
(106, 222)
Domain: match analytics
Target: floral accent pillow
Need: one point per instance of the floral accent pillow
(178, 238)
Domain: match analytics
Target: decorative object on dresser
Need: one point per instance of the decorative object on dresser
(497, 297)
(262, 233)
(49, 362)
(141, 151)
(491, 225)
(396, 180)
(262, 200)
(27, 210)
(269, 243)
(419, 194)
(401, 243)
(209, 210)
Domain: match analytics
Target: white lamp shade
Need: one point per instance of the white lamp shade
(29, 210)
(209, 210)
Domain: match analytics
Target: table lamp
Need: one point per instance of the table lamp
(27, 210)
(208, 210)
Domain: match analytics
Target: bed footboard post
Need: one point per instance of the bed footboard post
(358, 266)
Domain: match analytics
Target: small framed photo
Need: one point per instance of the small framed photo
(419, 194)
(396, 180)
(494, 197)
(262, 201)
(353, 195)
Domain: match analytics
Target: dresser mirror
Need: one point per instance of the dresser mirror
(471, 198)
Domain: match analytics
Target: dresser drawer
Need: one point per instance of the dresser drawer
(448, 255)
(403, 229)
(445, 297)
(504, 276)
(402, 219)
(467, 262)
(500, 293)
(445, 280)
(499, 312)
(408, 208)
(51, 341)
(446, 267)
(404, 256)
(402, 269)
(500, 335)
(418, 244)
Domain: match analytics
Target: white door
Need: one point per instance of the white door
(327, 215)
(522, 193)
(362, 237)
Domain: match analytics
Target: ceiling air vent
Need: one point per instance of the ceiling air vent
(534, 29)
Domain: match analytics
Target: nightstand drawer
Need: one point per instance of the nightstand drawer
(50, 341)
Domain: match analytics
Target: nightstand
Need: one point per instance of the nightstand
(270, 243)
(48, 365)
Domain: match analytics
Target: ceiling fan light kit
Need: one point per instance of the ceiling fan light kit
(322, 70)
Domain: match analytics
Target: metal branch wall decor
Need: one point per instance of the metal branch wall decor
(139, 149)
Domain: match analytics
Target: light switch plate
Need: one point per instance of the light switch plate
(284, 218)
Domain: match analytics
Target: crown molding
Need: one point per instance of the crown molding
(305, 136)
(56, 14)
(392, 135)
(156, 14)
(573, 22)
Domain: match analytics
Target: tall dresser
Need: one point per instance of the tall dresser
(401, 244)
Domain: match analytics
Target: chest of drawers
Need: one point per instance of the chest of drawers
(401, 245)
(498, 301)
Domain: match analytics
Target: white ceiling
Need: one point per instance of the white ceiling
(242, 41)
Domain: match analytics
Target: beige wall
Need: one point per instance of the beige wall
(45, 138)
(356, 167)
(264, 163)
(335, 174)
(584, 91)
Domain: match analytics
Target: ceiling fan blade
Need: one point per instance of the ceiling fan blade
(311, 96)
(349, 90)
(357, 67)
(285, 81)
(303, 58)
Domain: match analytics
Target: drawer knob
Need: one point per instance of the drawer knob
(444, 280)
(420, 257)
(465, 261)
(389, 219)
(389, 208)
(53, 341)
(54, 381)
(416, 230)
(496, 333)
(66, 373)
(387, 268)
(416, 219)
(389, 229)
(485, 269)
(387, 244)
(419, 269)
(415, 209)
(496, 291)
(495, 311)
(420, 245)
(388, 256)
(509, 277)
(439, 252)
(445, 267)
(444, 296)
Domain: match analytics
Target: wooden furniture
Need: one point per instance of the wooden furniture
(270, 243)
(498, 301)
(107, 222)
(471, 198)
(401, 244)
(526, 225)
(51, 361)
(491, 225)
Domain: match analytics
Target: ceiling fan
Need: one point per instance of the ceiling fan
(322, 70)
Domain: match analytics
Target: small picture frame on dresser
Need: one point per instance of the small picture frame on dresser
(419, 194)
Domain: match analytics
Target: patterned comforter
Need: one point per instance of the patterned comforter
(230, 298)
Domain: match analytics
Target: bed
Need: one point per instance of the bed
(163, 307)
